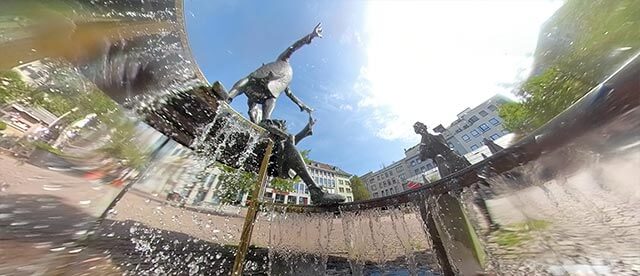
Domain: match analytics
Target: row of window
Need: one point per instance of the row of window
(290, 199)
(344, 190)
(387, 192)
(321, 173)
(483, 128)
(327, 182)
(492, 137)
(415, 162)
(424, 168)
(475, 118)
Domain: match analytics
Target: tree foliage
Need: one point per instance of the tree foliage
(603, 35)
(358, 189)
(123, 144)
(12, 87)
(235, 182)
(65, 90)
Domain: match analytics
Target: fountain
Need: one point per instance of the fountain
(171, 207)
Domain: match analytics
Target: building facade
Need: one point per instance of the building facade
(330, 178)
(464, 135)
(393, 179)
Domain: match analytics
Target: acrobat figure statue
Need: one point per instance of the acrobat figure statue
(433, 145)
(265, 84)
(287, 162)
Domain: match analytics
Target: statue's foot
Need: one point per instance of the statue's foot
(322, 198)
(218, 91)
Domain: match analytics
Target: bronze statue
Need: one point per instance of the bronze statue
(449, 162)
(433, 145)
(264, 85)
(287, 162)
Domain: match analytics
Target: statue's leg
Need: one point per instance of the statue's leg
(295, 162)
(267, 108)
(238, 87)
(254, 111)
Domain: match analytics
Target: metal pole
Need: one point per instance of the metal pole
(250, 219)
(438, 245)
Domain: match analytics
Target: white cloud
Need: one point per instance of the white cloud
(346, 107)
(429, 60)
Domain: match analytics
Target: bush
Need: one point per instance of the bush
(46, 147)
(3, 125)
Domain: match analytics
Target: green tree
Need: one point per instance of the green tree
(358, 189)
(603, 35)
(123, 144)
(12, 87)
(233, 183)
(3, 125)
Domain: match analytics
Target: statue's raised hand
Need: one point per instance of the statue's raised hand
(317, 31)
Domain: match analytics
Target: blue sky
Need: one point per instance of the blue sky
(381, 65)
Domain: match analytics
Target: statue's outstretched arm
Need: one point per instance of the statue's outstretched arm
(317, 32)
(303, 107)
(306, 131)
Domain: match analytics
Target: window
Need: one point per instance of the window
(474, 147)
(349, 199)
(429, 166)
(473, 119)
(484, 127)
(292, 200)
(394, 181)
(391, 173)
(302, 200)
(450, 145)
(475, 133)
(504, 131)
(465, 137)
(417, 171)
(423, 169)
(413, 162)
(375, 194)
(399, 169)
(419, 160)
(348, 190)
(495, 136)
(341, 189)
(279, 198)
(494, 121)
(483, 113)
(492, 108)
(402, 177)
(458, 130)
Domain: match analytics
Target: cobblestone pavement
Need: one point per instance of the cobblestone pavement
(44, 216)
(593, 222)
